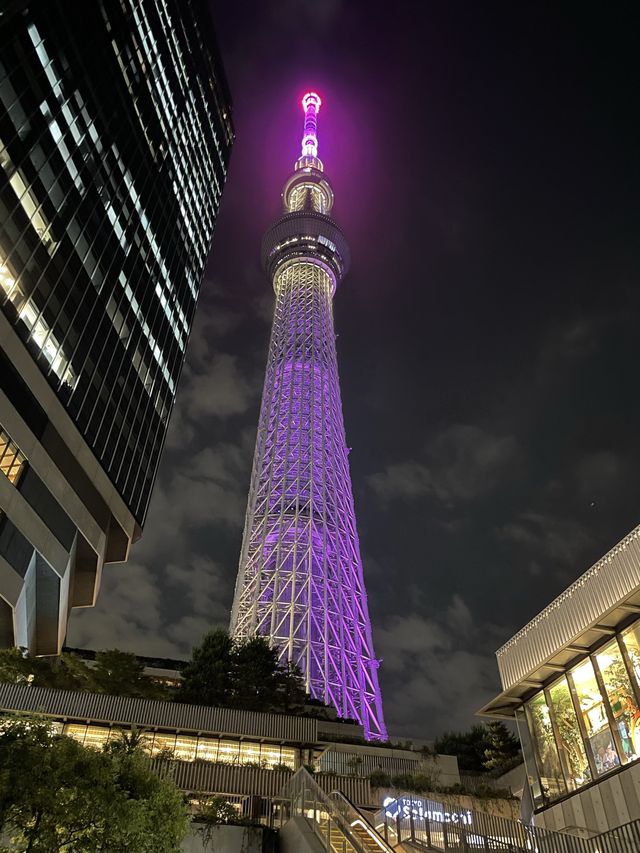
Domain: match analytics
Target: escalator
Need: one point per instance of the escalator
(337, 824)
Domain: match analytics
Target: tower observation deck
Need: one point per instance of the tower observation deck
(300, 580)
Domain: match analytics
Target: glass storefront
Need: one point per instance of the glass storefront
(586, 723)
(573, 759)
(192, 748)
(552, 782)
(600, 741)
(624, 706)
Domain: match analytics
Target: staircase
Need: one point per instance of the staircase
(338, 841)
(335, 821)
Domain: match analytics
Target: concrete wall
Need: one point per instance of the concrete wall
(606, 805)
(297, 836)
(224, 839)
(495, 806)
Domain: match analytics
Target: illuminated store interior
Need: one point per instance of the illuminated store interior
(585, 724)
(191, 748)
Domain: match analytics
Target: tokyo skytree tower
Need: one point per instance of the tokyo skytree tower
(300, 581)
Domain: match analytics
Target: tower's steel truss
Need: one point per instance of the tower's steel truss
(300, 581)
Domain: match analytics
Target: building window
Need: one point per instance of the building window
(163, 745)
(600, 739)
(190, 747)
(622, 699)
(571, 750)
(12, 462)
(77, 732)
(631, 642)
(546, 752)
(528, 754)
(185, 748)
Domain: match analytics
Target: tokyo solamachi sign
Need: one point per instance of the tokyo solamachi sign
(425, 809)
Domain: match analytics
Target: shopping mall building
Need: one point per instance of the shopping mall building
(230, 752)
(571, 680)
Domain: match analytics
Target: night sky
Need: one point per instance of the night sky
(484, 157)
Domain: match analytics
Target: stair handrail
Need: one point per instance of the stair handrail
(355, 818)
(305, 795)
(500, 831)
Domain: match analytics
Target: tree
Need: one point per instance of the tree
(115, 672)
(241, 674)
(290, 691)
(503, 750)
(482, 748)
(255, 675)
(14, 667)
(207, 678)
(469, 748)
(57, 796)
(121, 674)
(65, 671)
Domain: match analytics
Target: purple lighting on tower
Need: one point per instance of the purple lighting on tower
(300, 580)
(311, 106)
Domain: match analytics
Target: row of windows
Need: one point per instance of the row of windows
(585, 724)
(41, 332)
(11, 459)
(190, 747)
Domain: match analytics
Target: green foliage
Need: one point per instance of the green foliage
(243, 674)
(482, 748)
(503, 748)
(254, 672)
(217, 810)
(380, 779)
(116, 673)
(469, 748)
(13, 667)
(421, 783)
(121, 674)
(424, 783)
(207, 679)
(57, 796)
(290, 693)
(128, 742)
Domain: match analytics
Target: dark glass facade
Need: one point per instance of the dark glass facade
(115, 136)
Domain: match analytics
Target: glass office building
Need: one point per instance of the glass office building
(115, 136)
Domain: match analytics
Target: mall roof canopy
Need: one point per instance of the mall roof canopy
(602, 600)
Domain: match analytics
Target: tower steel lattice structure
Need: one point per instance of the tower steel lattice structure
(300, 581)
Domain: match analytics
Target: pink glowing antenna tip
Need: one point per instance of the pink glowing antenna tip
(311, 105)
(311, 98)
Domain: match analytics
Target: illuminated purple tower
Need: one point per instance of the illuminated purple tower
(300, 579)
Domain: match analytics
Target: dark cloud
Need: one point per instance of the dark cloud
(463, 462)
(431, 669)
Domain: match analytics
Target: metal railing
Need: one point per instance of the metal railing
(333, 818)
(432, 827)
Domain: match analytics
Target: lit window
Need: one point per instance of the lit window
(572, 755)
(546, 750)
(599, 735)
(185, 748)
(11, 460)
(75, 731)
(40, 331)
(620, 693)
(229, 751)
(28, 203)
(97, 736)
(163, 743)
